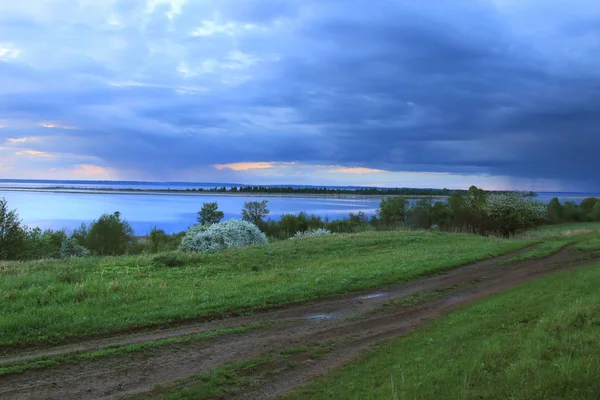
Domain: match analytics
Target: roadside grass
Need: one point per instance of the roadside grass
(540, 340)
(540, 251)
(561, 230)
(115, 351)
(589, 245)
(52, 301)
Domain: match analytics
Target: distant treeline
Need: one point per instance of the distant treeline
(362, 191)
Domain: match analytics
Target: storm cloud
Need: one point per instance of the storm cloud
(166, 90)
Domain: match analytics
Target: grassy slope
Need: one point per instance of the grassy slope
(540, 340)
(53, 300)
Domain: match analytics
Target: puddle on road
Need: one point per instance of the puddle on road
(457, 298)
(323, 317)
(372, 296)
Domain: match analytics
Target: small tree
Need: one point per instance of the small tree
(556, 212)
(255, 211)
(392, 210)
(158, 240)
(209, 214)
(12, 236)
(109, 235)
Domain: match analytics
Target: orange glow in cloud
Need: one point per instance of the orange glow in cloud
(88, 169)
(245, 166)
(33, 153)
(21, 140)
(356, 170)
(51, 125)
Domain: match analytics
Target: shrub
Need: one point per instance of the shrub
(70, 248)
(167, 260)
(218, 237)
(510, 212)
(312, 233)
(110, 235)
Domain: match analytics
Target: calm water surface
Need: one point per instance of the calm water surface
(173, 213)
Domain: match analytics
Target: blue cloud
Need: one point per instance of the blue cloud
(161, 87)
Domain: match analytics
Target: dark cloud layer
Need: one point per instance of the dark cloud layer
(496, 87)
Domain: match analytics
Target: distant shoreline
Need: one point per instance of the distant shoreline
(163, 192)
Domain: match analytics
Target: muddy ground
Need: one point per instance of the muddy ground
(343, 326)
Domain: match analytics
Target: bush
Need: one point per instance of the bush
(393, 210)
(70, 248)
(218, 237)
(167, 260)
(42, 244)
(312, 233)
(509, 212)
(110, 235)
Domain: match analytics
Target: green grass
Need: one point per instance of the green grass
(230, 379)
(562, 230)
(51, 301)
(541, 251)
(589, 245)
(540, 340)
(115, 351)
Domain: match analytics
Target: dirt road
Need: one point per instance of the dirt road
(343, 326)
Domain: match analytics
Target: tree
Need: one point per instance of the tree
(12, 236)
(255, 211)
(392, 210)
(556, 212)
(209, 214)
(586, 206)
(158, 240)
(419, 216)
(595, 213)
(110, 235)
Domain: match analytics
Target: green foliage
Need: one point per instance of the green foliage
(255, 211)
(393, 210)
(70, 248)
(595, 212)
(159, 241)
(209, 214)
(420, 215)
(43, 244)
(109, 235)
(556, 212)
(12, 235)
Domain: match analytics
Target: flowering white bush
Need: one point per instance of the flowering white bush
(71, 248)
(312, 233)
(509, 212)
(221, 236)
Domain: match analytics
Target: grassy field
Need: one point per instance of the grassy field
(51, 301)
(540, 340)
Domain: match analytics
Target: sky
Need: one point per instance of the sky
(503, 94)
